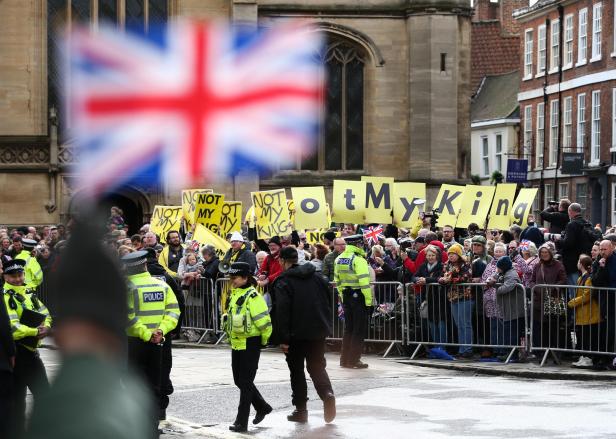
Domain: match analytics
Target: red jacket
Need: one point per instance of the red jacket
(271, 266)
(412, 266)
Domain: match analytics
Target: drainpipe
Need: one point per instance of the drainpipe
(560, 101)
(51, 204)
(545, 104)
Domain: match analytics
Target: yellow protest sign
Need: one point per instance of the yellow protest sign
(208, 210)
(164, 219)
(272, 213)
(310, 208)
(406, 211)
(250, 219)
(379, 194)
(448, 203)
(349, 201)
(502, 205)
(291, 207)
(523, 206)
(230, 218)
(476, 202)
(189, 199)
(206, 237)
(316, 236)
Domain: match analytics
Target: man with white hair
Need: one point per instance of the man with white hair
(239, 252)
(150, 239)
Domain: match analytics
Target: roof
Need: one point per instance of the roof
(492, 53)
(520, 13)
(497, 98)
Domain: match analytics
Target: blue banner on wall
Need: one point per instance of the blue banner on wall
(516, 170)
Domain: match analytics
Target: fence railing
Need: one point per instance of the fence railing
(467, 316)
(576, 319)
(201, 312)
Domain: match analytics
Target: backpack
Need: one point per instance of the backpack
(591, 234)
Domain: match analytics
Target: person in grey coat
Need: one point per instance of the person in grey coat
(510, 298)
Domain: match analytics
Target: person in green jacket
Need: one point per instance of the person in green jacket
(33, 270)
(352, 278)
(248, 326)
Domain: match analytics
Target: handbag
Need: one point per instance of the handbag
(553, 306)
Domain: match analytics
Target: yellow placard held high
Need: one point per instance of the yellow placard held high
(406, 211)
(476, 202)
(310, 208)
(316, 236)
(272, 213)
(205, 237)
(291, 207)
(189, 199)
(165, 219)
(448, 203)
(230, 218)
(208, 210)
(502, 206)
(379, 195)
(523, 206)
(349, 199)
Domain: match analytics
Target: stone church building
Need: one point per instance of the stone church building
(397, 96)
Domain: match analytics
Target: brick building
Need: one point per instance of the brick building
(402, 109)
(568, 102)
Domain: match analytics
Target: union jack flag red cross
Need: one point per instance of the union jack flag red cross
(373, 234)
(192, 102)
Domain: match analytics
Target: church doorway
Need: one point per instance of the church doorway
(131, 211)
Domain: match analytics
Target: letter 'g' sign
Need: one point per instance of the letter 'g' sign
(310, 208)
(522, 206)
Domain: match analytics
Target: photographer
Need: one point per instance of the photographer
(556, 215)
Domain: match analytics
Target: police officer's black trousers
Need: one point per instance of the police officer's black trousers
(29, 373)
(245, 364)
(313, 351)
(355, 326)
(146, 360)
(166, 386)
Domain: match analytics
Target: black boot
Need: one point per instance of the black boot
(259, 416)
(238, 428)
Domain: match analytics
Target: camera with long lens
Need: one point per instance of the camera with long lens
(406, 246)
(553, 203)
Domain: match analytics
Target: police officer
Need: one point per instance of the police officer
(34, 272)
(29, 371)
(248, 326)
(153, 311)
(352, 279)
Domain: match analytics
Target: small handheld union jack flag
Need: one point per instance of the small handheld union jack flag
(191, 102)
(373, 234)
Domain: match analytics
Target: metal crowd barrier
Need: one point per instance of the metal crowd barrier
(575, 319)
(386, 321)
(201, 312)
(455, 315)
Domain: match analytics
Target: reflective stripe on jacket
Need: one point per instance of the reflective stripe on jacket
(257, 318)
(18, 329)
(351, 271)
(34, 272)
(152, 305)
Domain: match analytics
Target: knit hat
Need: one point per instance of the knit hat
(478, 239)
(457, 249)
(236, 236)
(504, 264)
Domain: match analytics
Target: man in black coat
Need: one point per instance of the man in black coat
(210, 263)
(239, 252)
(574, 242)
(7, 362)
(301, 316)
(557, 216)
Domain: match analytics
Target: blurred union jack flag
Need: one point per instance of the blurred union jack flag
(191, 102)
(373, 234)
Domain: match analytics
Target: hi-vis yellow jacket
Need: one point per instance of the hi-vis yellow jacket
(34, 272)
(351, 271)
(152, 305)
(247, 316)
(23, 299)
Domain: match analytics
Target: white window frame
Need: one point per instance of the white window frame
(614, 27)
(595, 128)
(597, 12)
(537, 200)
(582, 37)
(563, 193)
(528, 133)
(485, 156)
(548, 193)
(528, 54)
(554, 45)
(584, 196)
(581, 122)
(554, 122)
(613, 148)
(567, 123)
(498, 155)
(613, 203)
(568, 49)
(541, 50)
(540, 142)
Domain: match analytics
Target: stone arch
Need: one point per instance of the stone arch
(359, 38)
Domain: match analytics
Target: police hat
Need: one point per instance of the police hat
(135, 259)
(239, 269)
(28, 243)
(15, 266)
(354, 239)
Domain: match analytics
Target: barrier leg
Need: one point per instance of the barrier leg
(222, 337)
(416, 351)
(510, 355)
(389, 349)
(203, 336)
